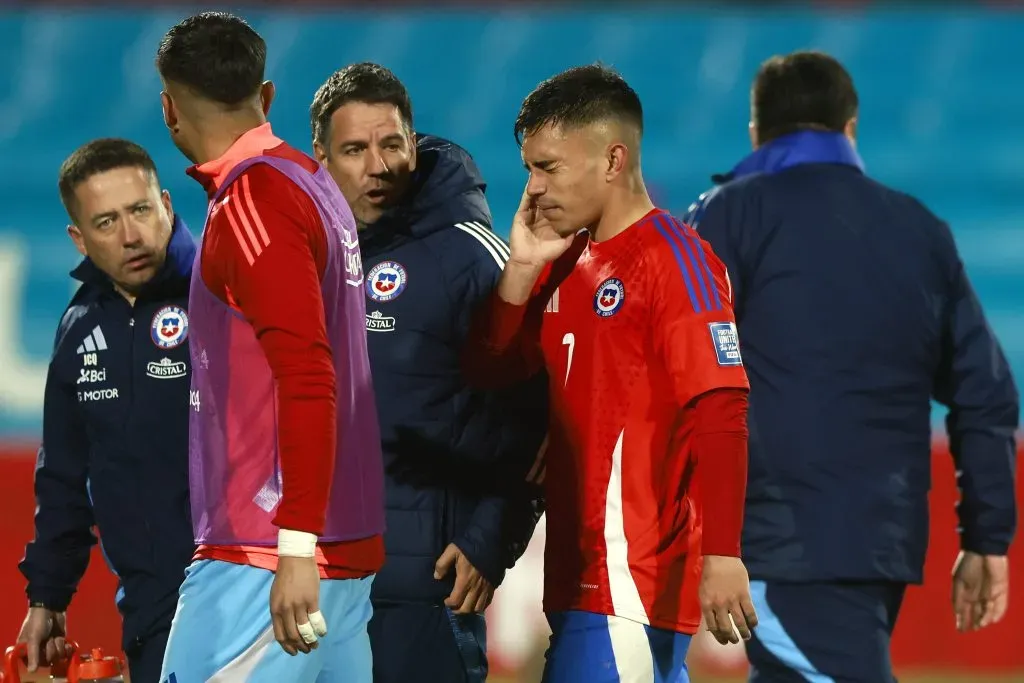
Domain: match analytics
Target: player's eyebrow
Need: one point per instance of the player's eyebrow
(362, 144)
(352, 143)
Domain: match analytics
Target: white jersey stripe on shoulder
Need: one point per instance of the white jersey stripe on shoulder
(498, 243)
(484, 242)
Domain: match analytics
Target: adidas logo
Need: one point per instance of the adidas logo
(94, 341)
(552, 306)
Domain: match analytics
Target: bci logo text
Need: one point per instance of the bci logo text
(88, 376)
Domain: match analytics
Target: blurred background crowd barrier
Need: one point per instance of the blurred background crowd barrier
(941, 117)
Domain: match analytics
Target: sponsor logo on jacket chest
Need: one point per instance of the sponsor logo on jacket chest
(378, 322)
(165, 368)
(92, 375)
(97, 394)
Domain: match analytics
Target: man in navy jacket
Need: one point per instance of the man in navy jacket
(460, 507)
(115, 414)
(854, 311)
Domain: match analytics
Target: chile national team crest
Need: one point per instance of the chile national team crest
(386, 281)
(609, 297)
(170, 327)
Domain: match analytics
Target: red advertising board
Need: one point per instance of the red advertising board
(925, 638)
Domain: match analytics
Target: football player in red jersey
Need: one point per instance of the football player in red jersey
(631, 315)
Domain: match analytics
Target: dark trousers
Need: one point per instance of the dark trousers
(420, 642)
(146, 656)
(823, 631)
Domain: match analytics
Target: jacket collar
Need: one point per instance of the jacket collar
(181, 252)
(801, 147)
(253, 143)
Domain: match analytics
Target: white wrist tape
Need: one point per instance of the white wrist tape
(292, 543)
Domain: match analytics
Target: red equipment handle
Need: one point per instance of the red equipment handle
(16, 655)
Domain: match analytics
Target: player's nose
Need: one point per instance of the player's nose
(131, 233)
(535, 186)
(376, 166)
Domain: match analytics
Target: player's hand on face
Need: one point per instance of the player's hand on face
(294, 604)
(532, 239)
(472, 592)
(981, 590)
(724, 593)
(44, 633)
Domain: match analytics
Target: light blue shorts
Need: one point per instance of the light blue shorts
(222, 631)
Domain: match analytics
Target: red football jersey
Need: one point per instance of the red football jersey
(631, 330)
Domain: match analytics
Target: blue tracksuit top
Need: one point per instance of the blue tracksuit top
(854, 312)
(455, 459)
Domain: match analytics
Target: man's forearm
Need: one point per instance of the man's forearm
(56, 559)
(720, 447)
(498, 534)
(307, 443)
(517, 281)
(987, 510)
(497, 354)
(54, 570)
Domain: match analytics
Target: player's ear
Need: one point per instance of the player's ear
(267, 92)
(165, 199)
(850, 130)
(412, 152)
(617, 159)
(752, 130)
(320, 153)
(76, 236)
(170, 115)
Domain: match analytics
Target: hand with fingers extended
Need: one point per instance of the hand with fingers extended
(44, 633)
(981, 590)
(294, 604)
(472, 592)
(532, 240)
(725, 599)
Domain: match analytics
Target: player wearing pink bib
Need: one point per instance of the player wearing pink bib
(286, 475)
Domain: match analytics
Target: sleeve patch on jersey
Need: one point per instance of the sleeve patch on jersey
(727, 343)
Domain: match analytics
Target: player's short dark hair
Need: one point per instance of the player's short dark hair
(802, 90)
(216, 55)
(579, 97)
(99, 156)
(365, 82)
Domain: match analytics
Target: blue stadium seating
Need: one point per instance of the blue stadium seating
(940, 118)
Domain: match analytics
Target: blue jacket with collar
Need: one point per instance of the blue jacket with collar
(854, 312)
(456, 459)
(114, 453)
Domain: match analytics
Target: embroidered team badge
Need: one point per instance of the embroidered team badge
(609, 297)
(170, 327)
(727, 343)
(386, 281)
